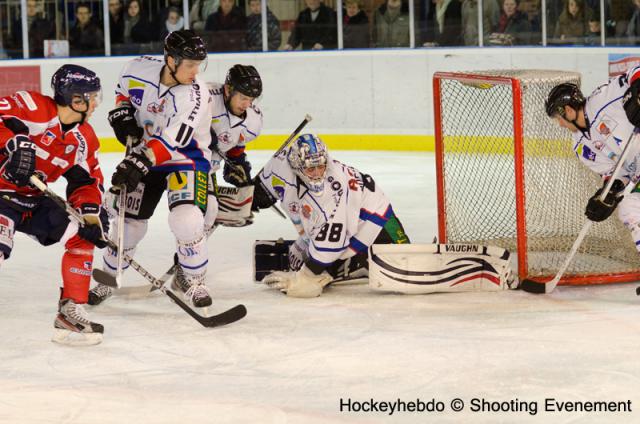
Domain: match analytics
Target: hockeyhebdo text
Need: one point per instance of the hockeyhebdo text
(484, 406)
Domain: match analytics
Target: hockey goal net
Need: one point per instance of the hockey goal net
(508, 176)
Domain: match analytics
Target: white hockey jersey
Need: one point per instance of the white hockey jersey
(343, 221)
(608, 129)
(175, 119)
(232, 132)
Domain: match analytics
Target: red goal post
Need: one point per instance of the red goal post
(507, 176)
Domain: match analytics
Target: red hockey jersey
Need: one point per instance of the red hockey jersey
(72, 153)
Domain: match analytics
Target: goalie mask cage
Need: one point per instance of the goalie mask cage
(507, 176)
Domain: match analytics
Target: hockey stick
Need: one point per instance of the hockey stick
(538, 287)
(122, 205)
(226, 317)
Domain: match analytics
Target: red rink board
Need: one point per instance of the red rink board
(16, 78)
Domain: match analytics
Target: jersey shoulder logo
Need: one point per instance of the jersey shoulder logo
(136, 91)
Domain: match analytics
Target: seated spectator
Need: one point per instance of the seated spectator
(490, 17)
(391, 25)
(532, 9)
(594, 36)
(573, 23)
(116, 21)
(137, 28)
(158, 24)
(315, 29)
(355, 26)
(40, 29)
(254, 28)
(174, 22)
(200, 11)
(633, 28)
(446, 24)
(513, 27)
(228, 28)
(85, 38)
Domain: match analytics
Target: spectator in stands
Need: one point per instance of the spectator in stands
(355, 26)
(594, 35)
(254, 28)
(315, 28)
(446, 24)
(158, 24)
(40, 29)
(116, 21)
(174, 22)
(532, 9)
(633, 28)
(227, 27)
(137, 29)
(513, 27)
(573, 23)
(200, 11)
(85, 38)
(620, 11)
(391, 25)
(490, 17)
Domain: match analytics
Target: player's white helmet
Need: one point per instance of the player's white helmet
(308, 158)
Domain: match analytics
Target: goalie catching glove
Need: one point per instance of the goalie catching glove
(301, 283)
(598, 210)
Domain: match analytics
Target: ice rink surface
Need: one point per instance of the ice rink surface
(293, 360)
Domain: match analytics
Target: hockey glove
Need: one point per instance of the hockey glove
(631, 103)
(123, 121)
(22, 160)
(131, 170)
(237, 171)
(298, 253)
(598, 210)
(96, 224)
(262, 198)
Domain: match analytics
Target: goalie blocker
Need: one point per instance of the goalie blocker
(407, 268)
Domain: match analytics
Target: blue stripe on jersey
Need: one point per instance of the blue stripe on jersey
(328, 249)
(357, 245)
(318, 205)
(274, 174)
(248, 130)
(195, 267)
(379, 220)
(218, 116)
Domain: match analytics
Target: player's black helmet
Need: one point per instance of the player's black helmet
(244, 79)
(73, 80)
(184, 44)
(565, 94)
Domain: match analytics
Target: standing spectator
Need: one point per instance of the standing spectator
(174, 22)
(85, 38)
(469, 12)
(391, 25)
(228, 27)
(40, 29)
(137, 28)
(633, 29)
(446, 24)
(200, 11)
(254, 28)
(513, 27)
(316, 28)
(573, 23)
(355, 26)
(116, 21)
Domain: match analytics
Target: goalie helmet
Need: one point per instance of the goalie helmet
(305, 155)
(74, 80)
(562, 95)
(244, 79)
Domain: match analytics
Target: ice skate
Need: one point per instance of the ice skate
(73, 327)
(99, 294)
(192, 286)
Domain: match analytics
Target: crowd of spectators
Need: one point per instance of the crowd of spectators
(139, 26)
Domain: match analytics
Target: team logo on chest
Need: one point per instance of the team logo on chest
(156, 107)
(47, 138)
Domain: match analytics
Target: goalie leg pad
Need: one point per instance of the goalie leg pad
(431, 268)
(234, 209)
(270, 256)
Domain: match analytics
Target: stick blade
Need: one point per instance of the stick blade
(536, 287)
(105, 278)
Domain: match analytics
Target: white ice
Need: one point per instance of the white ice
(292, 360)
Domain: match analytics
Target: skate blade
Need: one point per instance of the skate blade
(73, 338)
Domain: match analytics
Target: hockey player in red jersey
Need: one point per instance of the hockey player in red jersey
(49, 138)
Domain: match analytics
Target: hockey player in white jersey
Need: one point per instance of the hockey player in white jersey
(601, 126)
(164, 105)
(235, 121)
(338, 211)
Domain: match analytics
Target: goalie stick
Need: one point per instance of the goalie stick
(538, 287)
(231, 315)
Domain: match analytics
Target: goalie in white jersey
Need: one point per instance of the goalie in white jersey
(601, 126)
(163, 106)
(235, 121)
(338, 211)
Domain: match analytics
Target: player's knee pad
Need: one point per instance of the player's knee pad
(7, 231)
(77, 265)
(187, 224)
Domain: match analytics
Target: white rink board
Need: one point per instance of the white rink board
(291, 360)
